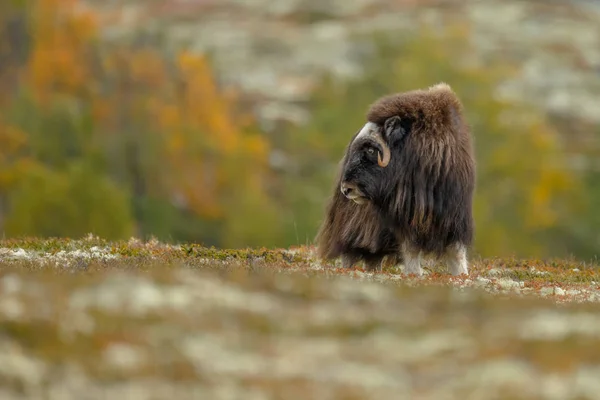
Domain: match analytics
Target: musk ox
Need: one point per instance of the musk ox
(405, 185)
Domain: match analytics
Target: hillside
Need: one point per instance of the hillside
(95, 319)
(275, 50)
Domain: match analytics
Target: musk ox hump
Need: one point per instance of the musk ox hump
(434, 107)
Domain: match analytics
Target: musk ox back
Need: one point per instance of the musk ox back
(405, 184)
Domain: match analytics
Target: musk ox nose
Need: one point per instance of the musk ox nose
(347, 189)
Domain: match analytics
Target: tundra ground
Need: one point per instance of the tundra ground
(90, 319)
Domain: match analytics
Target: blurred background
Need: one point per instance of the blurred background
(221, 122)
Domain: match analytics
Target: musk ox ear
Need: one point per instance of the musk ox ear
(393, 128)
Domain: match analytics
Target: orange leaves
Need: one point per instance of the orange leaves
(196, 184)
(203, 144)
(62, 32)
(203, 147)
(205, 106)
(169, 116)
(147, 68)
(101, 109)
(206, 147)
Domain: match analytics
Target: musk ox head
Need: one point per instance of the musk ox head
(405, 182)
(369, 154)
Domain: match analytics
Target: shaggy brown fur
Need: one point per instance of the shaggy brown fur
(419, 203)
(356, 233)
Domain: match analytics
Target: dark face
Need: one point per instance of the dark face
(367, 161)
(361, 172)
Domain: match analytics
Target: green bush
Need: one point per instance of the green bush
(68, 203)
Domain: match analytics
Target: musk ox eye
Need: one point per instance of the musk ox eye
(370, 151)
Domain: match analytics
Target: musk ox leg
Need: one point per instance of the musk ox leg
(412, 259)
(374, 263)
(350, 259)
(391, 260)
(456, 258)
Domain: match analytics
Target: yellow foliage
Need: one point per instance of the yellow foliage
(169, 116)
(61, 34)
(257, 146)
(192, 144)
(211, 109)
(203, 137)
(147, 68)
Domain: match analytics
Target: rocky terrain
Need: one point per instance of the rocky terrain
(91, 319)
(275, 49)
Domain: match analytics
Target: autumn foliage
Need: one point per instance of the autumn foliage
(161, 130)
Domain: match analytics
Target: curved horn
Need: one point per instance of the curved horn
(386, 152)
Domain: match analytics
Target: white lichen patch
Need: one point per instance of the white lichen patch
(20, 367)
(509, 284)
(134, 295)
(534, 271)
(551, 325)
(62, 258)
(15, 254)
(124, 357)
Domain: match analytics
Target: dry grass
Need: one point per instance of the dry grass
(97, 320)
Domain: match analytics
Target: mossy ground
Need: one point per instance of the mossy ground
(95, 319)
